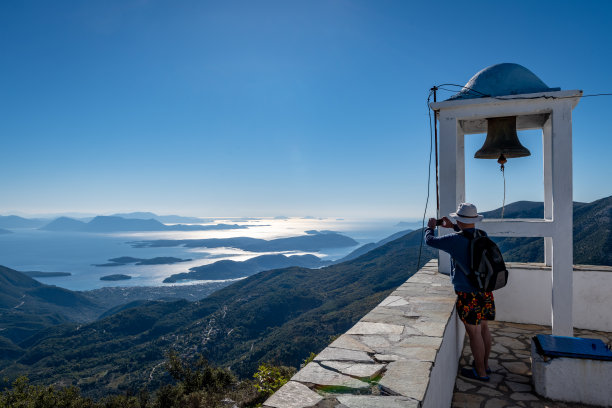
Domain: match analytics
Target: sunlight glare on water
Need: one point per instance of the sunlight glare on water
(78, 253)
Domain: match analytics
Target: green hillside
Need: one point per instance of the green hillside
(278, 316)
(26, 305)
(592, 233)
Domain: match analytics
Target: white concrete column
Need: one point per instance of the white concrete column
(449, 188)
(548, 195)
(562, 248)
(460, 170)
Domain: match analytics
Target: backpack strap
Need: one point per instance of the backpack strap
(470, 238)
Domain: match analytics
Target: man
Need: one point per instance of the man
(475, 308)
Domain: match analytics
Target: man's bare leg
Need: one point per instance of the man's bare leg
(477, 345)
(486, 338)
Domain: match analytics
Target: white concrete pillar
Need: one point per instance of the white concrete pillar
(460, 171)
(548, 195)
(562, 248)
(451, 150)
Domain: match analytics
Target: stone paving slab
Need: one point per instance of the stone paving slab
(349, 342)
(315, 375)
(293, 395)
(375, 328)
(406, 378)
(359, 370)
(510, 361)
(371, 401)
(339, 354)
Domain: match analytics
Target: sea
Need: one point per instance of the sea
(78, 252)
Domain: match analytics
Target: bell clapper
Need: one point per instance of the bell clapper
(502, 160)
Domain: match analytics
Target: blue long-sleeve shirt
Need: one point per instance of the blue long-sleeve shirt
(458, 247)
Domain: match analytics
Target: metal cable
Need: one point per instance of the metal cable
(428, 182)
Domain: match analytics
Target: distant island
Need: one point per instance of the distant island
(228, 269)
(172, 219)
(126, 260)
(120, 224)
(116, 277)
(14, 221)
(409, 224)
(314, 241)
(40, 274)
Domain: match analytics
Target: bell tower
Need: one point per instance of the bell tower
(512, 93)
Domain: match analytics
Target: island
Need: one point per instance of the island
(313, 241)
(228, 269)
(126, 260)
(116, 277)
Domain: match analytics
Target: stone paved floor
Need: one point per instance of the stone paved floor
(510, 384)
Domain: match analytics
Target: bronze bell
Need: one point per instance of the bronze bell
(502, 141)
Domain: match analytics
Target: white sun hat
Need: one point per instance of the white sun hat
(467, 213)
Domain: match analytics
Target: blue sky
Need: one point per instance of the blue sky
(263, 108)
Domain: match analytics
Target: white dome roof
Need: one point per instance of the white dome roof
(500, 80)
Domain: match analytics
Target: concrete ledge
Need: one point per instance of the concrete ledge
(572, 379)
(404, 353)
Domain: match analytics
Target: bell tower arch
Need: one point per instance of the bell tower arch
(510, 90)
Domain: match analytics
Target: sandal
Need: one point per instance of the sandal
(473, 375)
(488, 370)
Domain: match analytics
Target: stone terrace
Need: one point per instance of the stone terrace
(386, 359)
(510, 384)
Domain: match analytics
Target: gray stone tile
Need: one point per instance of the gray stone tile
(498, 348)
(339, 354)
(523, 396)
(463, 385)
(393, 301)
(371, 401)
(518, 378)
(490, 392)
(359, 370)
(314, 374)
(349, 342)
(375, 328)
(510, 343)
(463, 400)
(414, 353)
(293, 395)
(407, 378)
(496, 403)
(400, 320)
(516, 367)
(386, 357)
(377, 342)
(429, 328)
(422, 341)
(518, 387)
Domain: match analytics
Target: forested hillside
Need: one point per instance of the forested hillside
(276, 316)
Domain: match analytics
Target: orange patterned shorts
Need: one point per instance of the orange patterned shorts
(473, 307)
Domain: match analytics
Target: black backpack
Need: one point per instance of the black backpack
(487, 268)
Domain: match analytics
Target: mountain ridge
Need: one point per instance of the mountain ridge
(104, 223)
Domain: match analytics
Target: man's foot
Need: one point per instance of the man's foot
(472, 374)
(488, 370)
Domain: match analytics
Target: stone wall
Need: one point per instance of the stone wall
(404, 353)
